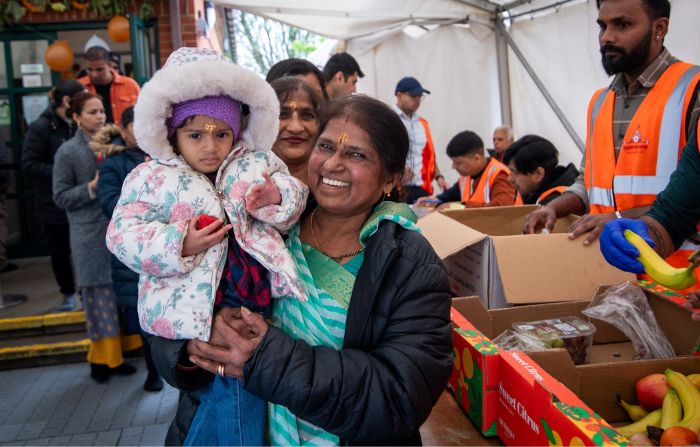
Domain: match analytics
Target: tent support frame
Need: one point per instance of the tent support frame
(550, 100)
(503, 75)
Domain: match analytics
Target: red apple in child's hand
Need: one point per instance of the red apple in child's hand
(651, 391)
(204, 220)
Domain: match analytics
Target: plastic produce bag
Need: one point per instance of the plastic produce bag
(515, 341)
(625, 306)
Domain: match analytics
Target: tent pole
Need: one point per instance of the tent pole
(503, 76)
(483, 5)
(557, 111)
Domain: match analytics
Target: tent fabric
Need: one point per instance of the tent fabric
(346, 20)
(458, 63)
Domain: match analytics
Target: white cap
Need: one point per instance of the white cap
(95, 41)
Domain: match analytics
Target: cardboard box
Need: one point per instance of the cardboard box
(487, 255)
(543, 396)
(474, 378)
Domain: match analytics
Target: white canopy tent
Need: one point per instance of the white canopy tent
(459, 54)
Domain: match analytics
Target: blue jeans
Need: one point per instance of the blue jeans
(228, 415)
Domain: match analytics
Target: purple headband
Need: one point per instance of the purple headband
(221, 107)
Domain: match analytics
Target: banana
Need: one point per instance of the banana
(690, 399)
(671, 410)
(653, 418)
(694, 379)
(659, 270)
(635, 412)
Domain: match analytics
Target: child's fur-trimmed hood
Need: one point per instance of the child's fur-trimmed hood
(191, 73)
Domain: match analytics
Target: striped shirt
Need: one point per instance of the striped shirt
(418, 139)
(627, 101)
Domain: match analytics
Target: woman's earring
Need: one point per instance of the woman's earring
(385, 197)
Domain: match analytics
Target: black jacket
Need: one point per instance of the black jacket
(561, 176)
(44, 136)
(396, 356)
(117, 164)
(395, 361)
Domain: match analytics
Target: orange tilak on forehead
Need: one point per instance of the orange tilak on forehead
(210, 128)
(292, 105)
(343, 138)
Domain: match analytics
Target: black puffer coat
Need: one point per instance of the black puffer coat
(395, 361)
(43, 138)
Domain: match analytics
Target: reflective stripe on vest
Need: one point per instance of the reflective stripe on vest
(633, 189)
(549, 192)
(482, 191)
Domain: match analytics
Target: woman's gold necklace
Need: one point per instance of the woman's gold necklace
(318, 247)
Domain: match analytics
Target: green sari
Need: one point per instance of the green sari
(320, 321)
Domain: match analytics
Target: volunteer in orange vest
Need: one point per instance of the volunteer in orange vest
(421, 167)
(118, 92)
(483, 181)
(672, 219)
(636, 127)
(535, 172)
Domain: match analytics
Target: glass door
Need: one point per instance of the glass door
(24, 87)
(142, 50)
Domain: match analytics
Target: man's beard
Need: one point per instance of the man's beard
(627, 62)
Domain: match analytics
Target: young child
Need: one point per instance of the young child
(189, 119)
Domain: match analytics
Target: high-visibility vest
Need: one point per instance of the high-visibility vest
(544, 195)
(482, 191)
(427, 171)
(651, 145)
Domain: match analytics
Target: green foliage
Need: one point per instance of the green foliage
(264, 42)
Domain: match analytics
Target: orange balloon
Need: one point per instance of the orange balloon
(118, 29)
(59, 56)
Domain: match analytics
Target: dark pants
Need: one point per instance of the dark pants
(59, 249)
(413, 193)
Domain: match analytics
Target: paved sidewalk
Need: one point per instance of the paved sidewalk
(62, 405)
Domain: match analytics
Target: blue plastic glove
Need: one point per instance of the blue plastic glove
(616, 248)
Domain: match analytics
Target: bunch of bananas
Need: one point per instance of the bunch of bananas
(680, 408)
(659, 270)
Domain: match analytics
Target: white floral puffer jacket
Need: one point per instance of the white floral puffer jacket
(158, 199)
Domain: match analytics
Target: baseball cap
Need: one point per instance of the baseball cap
(410, 85)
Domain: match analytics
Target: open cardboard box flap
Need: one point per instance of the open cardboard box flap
(446, 235)
(486, 254)
(542, 268)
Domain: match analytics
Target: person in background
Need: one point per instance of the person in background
(299, 103)
(117, 92)
(483, 180)
(421, 167)
(300, 68)
(115, 62)
(4, 184)
(341, 73)
(75, 177)
(502, 139)
(672, 219)
(629, 155)
(535, 172)
(116, 146)
(43, 138)
(366, 357)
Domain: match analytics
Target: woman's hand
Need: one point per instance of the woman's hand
(262, 195)
(92, 184)
(694, 303)
(196, 241)
(236, 335)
